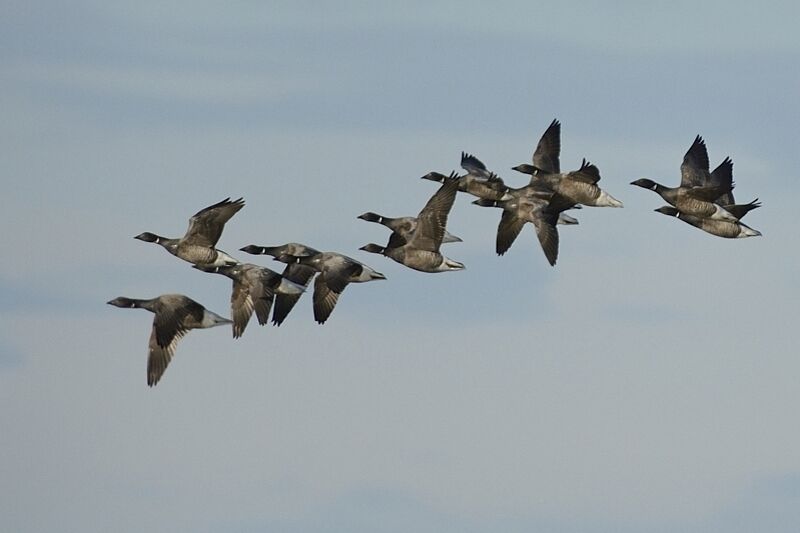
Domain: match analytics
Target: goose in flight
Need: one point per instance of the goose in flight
(254, 289)
(419, 249)
(175, 315)
(198, 245)
(293, 271)
(698, 195)
(578, 187)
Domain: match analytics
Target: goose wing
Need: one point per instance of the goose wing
(264, 292)
(722, 176)
(546, 155)
(396, 240)
(507, 231)
(432, 220)
(475, 166)
(243, 298)
(159, 356)
(329, 285)
(175, 315)
(588, 173)
(300, 274)
(205, 227)
(545, 223)
(169, 327)
(253, 291)
(707, 194)
(694, 169)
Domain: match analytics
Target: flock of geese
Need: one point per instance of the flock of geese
(703, 199)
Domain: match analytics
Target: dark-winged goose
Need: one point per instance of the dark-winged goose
(478, 181)
(541, 208)
(197, 246)
(175, 315)
(720, 228)
(254, 289)
(721, 177)
(696, 196)
(294, 271)
(402, 226)
(579, 186)
(336, 271)
(420, 250)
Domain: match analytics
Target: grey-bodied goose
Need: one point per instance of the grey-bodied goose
(531, 205)
(336, 271)
(478, 181)
(175, 315)
(254, 289)
(579, 186)
(294, 271)
(720, 228)
(420, 250)
(697, 195)
(721, 177)
(198, 245)
(402, 226)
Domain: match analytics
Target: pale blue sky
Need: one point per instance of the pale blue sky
(647, 383)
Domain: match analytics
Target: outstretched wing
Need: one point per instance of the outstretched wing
(507, 231)
(588, 173)
(330, 284)
(474, 166)
(159, 355)
(545, 223)
(300, 274)
(694, 169)
(396, 240)
(722, 176)
(171, 313)
(243, 299)
(205, 227)
(325, 299)
(432, 220)
(547, 152)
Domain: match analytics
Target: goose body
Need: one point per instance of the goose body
(543, 211)
(293, 271)
(422, 260)
(696, 201)
(175, 315)
(419, 249)
(698, 195)
(478, 181)
(695, 174)
(198, 245)
(254, 290)
(720, 228)
(336, 272)
(579, 186)
(403, 226)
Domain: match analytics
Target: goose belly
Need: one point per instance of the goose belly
(579, 193)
